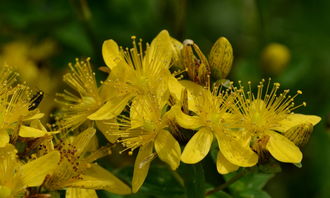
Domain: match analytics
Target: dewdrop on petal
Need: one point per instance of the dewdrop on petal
(221, 58)
(275, 58)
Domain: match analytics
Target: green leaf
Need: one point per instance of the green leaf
(161, 182)
(220, 194)
(299, 165)
(194, 181)
(253, 180)
(271, 167)
(251, 193)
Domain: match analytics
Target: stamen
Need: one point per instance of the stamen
(267, 109)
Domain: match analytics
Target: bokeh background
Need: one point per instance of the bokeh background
(40, 37)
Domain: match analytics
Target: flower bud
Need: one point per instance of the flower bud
(195, 63)
(275, 58)
(300, 134)
(221, 58)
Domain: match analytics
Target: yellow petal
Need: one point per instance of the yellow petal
(175, 87)
(198, 146)
(117, 82)
(168, 149)
(193, 91)
(4, 137)
(111, 53)
(34, 116)
(282, 148)
(161, 87)
(296, 119)
(111, 108)
(187, 121)
(80, 193)
(107, 127)
(159, 54)
(4, 191)
(92, 146)
(139, 111)
(124, 72)
(236, 151)
(177, 47)
(99, 178)
(141, 166)
(34, 172)
(31, 132)
(223, 165)
(82, 140)
(38, 125)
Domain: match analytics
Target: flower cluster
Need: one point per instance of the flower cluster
(163, 100)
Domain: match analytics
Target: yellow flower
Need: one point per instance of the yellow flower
(77, 170)
(15, 176)
(148, 129)
(135, 73)
(30, 60)
(265, 118)
(77, 107)
(16, 112)
(211, 118)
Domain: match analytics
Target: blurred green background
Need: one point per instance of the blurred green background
(56, 32)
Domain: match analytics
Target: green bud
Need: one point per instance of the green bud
(300, 134)
(221, 58)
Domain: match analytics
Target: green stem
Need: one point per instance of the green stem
(194, 181)
(229, 182)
